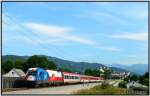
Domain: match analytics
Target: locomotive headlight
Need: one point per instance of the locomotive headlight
(33, 70)
(31, 78)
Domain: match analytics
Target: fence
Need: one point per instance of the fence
(11, 82)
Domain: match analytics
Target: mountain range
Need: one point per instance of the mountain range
(139, 69)
(81, 66)
(74, 66)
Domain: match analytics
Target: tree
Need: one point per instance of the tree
(94, 72)
(64, 70)
(127, 78)
(146, 75)
(88, 72)
(122, 84)
(107, 74)
(7, 66)
(51, 65)
(134, 77)
(144, 79)
(19, 64)
(39, 61)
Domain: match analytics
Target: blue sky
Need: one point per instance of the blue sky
(103, 32)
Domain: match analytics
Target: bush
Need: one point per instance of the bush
(127, 78)
(105, 90)
(122, 84)
(104, 85)
(145, 81)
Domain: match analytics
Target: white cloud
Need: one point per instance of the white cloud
(108, 48)
(132, 13)
(62, 33)
(52, 30)
(112, 49)
(102, 16)
(48, 34)
(79, 39)
(142, 36)
(34, 41)
(57, 31)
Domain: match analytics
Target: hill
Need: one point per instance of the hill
(74, 66)
(139, 69)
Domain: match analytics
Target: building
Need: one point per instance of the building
(14, 73)
(8, 79)
(134, 84)
(120, 74)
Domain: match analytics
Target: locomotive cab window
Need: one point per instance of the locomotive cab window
(31, 73)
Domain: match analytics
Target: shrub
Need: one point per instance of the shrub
(104, 85)
(98, 90)
(122, 84)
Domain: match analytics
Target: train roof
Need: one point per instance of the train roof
(69, 73)
(90, 76)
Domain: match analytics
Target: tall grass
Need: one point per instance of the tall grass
(102, 89)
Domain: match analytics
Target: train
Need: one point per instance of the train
(36, 77)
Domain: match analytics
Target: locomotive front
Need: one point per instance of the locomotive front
(36, 77)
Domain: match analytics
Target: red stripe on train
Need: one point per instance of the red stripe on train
(55, 78)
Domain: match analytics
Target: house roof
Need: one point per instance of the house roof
(14, 73)
(19, 72)
(136, 84)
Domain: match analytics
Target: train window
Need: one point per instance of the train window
(75, 77)
(66, 77)
(31, 73)
(69, 77)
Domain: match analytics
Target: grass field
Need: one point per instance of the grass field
(102, 89)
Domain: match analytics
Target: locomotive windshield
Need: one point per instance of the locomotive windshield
(33, 73)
